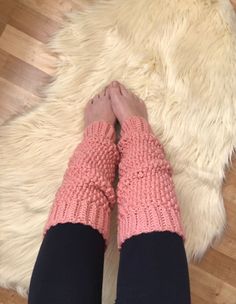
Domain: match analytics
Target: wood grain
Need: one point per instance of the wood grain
(43, 28)
(16, 43)
(25, 66)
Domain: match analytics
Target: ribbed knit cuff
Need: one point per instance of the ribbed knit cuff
(73, 211)
(135, 124)
(101, 130)
(146, 219)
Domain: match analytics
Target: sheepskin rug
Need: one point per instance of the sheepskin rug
(180, 57)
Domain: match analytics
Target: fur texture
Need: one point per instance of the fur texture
(180, 57)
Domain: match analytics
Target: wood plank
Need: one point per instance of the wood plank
(23, 75)
(196, 299)
(10, 297)
(234, 3)
(54, 10)
(3, 58)
(6, 8)
(2, 27)
(220, 265)
(228, 244)
(209, 289)
(27, 49)
(16, 100)
(33, 23)
(229, 187)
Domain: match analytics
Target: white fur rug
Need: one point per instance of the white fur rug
(180, 57)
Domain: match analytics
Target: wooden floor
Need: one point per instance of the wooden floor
(25, 28)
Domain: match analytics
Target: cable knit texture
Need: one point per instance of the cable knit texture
(86, 194)
(146, 196)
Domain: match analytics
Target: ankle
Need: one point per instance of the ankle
(136, 124)
(100, 129)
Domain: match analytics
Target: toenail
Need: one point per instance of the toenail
(115, 83)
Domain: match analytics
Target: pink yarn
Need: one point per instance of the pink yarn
(86, 195)
(146, 196)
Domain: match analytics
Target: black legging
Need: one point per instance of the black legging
(69, 268)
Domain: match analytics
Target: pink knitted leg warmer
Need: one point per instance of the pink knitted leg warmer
(86, 194)
(146, 196)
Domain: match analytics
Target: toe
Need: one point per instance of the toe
(96, 98)
(124, 90)
(103, 93)
(107, 91)
(114, 89)
(89, 103)
(115, 84)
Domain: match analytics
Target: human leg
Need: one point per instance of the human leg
(69, 265)
(153, 266)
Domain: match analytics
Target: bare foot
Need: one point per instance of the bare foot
(124, 103)
(99, 109)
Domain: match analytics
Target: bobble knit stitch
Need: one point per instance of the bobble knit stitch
(86, 195)
(146, 196)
